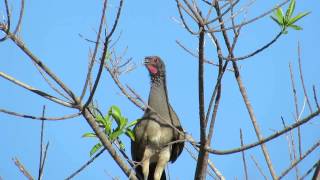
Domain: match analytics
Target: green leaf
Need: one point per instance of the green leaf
(123, 122)
(107, 128)
(279, 14)
(89, 134)
(115, 112)
(297, 17)
(95, 148)
(276, 20)
(132, 123)
(295, 27)
(101, 120)
(115, 134)
(290, 9)
(130, 134)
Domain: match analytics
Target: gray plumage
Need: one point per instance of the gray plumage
(153, 133)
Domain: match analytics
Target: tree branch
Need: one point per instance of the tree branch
(36, 91)
(269, 138)
(285, 172)
(40, 118)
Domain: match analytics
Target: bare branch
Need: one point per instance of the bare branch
(17, 29)
(22, 169)
(251, 20)
(107, 144)
(122, 88)
(258, 167)
(310, 170)
(296, 108)
(203, 155)
(93, 57)
(40, 118)
(6, 28)
(245, 96)
(195, 158)
(185, 25)
(256, 51)
(85, 165)
(21, 45)
(316, 174)
(41, 145)
(243, 157)
(49, 83)
(36, 91)
(116, 20)
(285, 172)
(104, 55)
(278, 133)
(196, 56)
(315, 96)
(224, 13)
(301, 78)
(291, 147)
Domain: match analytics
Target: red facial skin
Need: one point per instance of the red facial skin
(153, 70)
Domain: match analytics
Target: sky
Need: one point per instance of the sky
(54, 31)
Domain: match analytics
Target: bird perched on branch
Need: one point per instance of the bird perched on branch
(158, 132)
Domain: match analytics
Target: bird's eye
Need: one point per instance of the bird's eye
(155, 60)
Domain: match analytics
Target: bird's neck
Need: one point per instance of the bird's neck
(158, 98)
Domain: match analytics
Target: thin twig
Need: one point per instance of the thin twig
(91, 63)
(291, 147)
(45, 156)
(49, 83)
(40, 118)
(316, 173)
(269, 138)
(185, 25)
(195, 158)
(243, 158)
(285, 172)
(296, 108)
(41, 145)
(6, 28)
(256, 51)
(36, 60)
(301, 78)
(258, 167)
(196, 56)
(17, 29)
(224, 13)
(107, 144)
(310, 170)
(36, 91)
(86, 164)
(245, 96)
(251, 20)
(315, 96)
(22, 169)
(104, 55)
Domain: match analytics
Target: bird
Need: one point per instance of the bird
(158, 134)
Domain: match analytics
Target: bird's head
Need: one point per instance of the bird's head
(155, 66)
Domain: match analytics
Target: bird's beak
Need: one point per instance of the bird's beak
(147, 60)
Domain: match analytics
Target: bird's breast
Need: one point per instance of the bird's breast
(152, 133)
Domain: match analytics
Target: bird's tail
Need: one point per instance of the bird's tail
(152, 169)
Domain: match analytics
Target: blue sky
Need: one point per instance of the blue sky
(51, 31)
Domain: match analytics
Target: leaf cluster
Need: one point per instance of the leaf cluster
(122, 127)
(286, 20)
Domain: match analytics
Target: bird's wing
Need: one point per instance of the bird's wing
(177, 147)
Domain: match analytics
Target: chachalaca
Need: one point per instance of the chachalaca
(154, 132)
